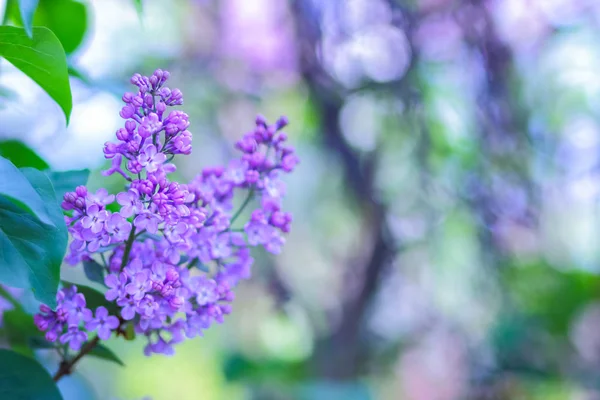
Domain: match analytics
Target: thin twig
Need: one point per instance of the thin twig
(66, 367)
(242, 207)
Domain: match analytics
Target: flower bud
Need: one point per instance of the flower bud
(127, 112)
(128, 97)
(123, 134)
(172, 274)
(81, 191)
(176, 302)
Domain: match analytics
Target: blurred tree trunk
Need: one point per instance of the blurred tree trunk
(342, 354)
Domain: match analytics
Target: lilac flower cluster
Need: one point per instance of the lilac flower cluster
(173, 252)
(71, 317)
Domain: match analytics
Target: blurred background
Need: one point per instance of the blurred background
(445, 241)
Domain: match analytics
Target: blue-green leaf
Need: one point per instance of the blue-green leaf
(15, 186)
(42, 58)
(27, 10)
(105, 353)
(39, 342)
(67, 181)
(32, 252)
(93, 271)
(24, 378)
(21, 155)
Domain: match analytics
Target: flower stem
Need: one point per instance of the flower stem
(242, 207)
(128, 246)
(66, 366)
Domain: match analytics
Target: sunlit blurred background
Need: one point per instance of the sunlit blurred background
(446, 219)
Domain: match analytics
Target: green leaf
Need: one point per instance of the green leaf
(139, 7)
(38, 342)
(67, 181)
(24, 378)
(129, 332)
(93, 271)
(94, 298)
(40, 57)
(21, 155)
(105, 353)
(77, 73)
(32, 252)
(15, 186)
(66, 18)
(20, 331)
(27, 10)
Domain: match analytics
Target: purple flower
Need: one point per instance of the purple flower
(148, 221)
(74, 305)
(101, 197)
(95, 240)
(128, 309)
(94, 220)
(178, 226)
(103, 323)
(289, 162)
(258, 232)
(118, 227)
(196, 324)
(139, 285)
(116, 285)
(205, 290)
(135, 266)
(221, 247)
(130, 202)
(176, 232)
(127, 112)
(115, 167)
(274, 243)
(151, 159)
(147, 306)
(74, 337)
(150, 125)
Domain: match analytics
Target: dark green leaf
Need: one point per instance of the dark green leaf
(32, 252)
(129, 332)
(38, 342)
(66, 18)
(27, 10)
(238, 367)
(24, 378)
(21, 155)
(105, 353)
(15, 186)
(94, 298)
(67, 181)
(93, 271)
(20, 330)
(42, 58)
